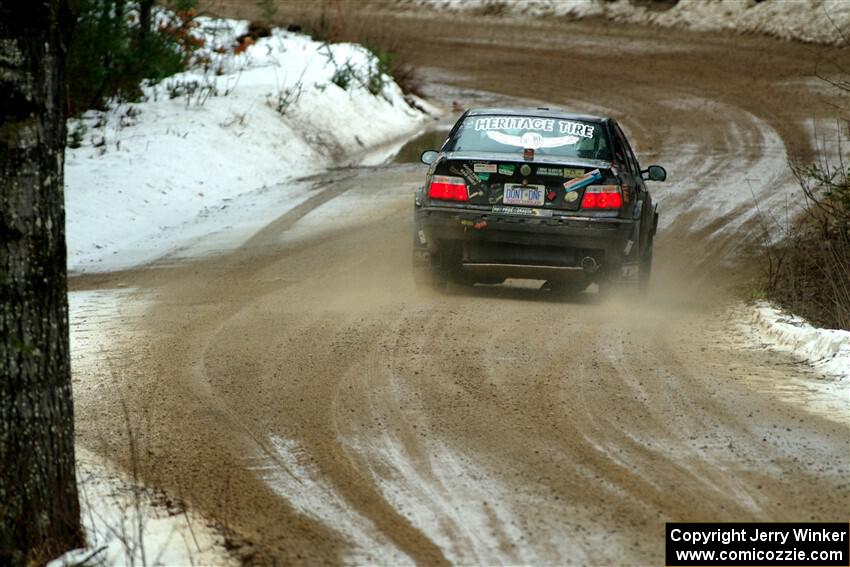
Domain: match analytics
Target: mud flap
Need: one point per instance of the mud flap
(654, 220)
(422, 263)
(428, 271)
(421, 259)
(626, 277)
(630, 269)
(424, 269)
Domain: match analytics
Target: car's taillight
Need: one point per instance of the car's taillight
(448, 188)
(602, 197)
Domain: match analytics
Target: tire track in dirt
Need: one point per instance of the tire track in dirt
(415, 411)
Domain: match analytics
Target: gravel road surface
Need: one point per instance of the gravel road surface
(300, 391)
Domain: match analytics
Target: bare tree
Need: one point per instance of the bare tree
(39, 508)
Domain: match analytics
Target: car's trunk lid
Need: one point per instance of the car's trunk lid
(508, 182)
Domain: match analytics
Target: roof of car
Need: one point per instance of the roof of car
(545, 112)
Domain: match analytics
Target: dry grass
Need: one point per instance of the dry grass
(808, 270)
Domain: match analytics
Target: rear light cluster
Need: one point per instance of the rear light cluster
(602, 197)
(448, 188)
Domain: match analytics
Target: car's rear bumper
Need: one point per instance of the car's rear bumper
(523, 246)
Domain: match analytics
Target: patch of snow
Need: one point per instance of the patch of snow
(825, 389)
(815, 21)
(463, 507)
(102, 322)
(124, 526)
(827, 350)
(152, 176)
(288, 472)
(452, 502)
(348, 210)
(531, 8)
(451, 499)
(724, 194)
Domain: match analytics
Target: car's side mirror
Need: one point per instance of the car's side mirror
(653, 173)
(429, 157)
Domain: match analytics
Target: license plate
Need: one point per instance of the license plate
(528, 195)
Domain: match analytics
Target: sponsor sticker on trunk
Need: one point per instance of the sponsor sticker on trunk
(484, 168)
(467, 173)
(550, 171)
(522, 211)
(583, 181)
(505, 169)
(571, 172)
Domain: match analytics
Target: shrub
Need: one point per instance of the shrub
(808, 271)
(76, 133)
(116, 45)
(343, 76)
(285, 99)
(408, 80)
(381, 68)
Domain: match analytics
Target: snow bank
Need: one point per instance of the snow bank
(816, 21)
(124, 527)
(146, 175)
(826, 350)
(824, 392)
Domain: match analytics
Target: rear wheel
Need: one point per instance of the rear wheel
(630, 280)
(434, 272)
(430, 277)
(426, 279)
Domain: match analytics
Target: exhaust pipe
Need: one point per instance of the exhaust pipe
(589, 265)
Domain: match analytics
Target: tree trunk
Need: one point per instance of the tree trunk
(119, 15)
(39, 509)
(145, 20)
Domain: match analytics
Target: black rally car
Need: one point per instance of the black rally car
(538, 194)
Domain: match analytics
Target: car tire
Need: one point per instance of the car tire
(461, 278)
(426, 280)
(434, 275)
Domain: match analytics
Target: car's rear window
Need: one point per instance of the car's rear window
(555, 137)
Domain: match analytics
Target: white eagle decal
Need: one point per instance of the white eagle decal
(531, 140)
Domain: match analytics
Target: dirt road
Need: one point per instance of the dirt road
(300, 391)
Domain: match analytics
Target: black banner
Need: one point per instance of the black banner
(758, 544)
